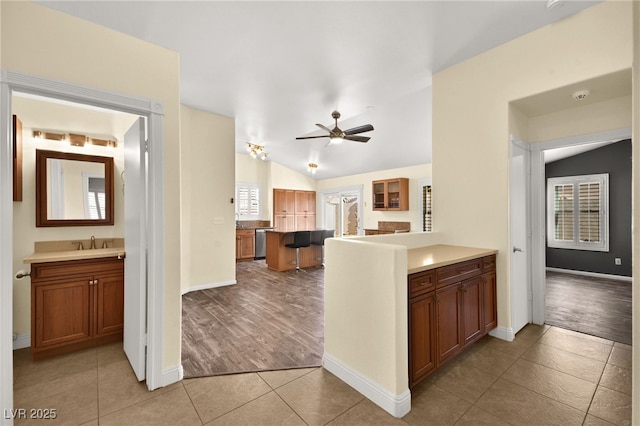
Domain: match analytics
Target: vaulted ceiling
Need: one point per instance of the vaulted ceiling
(278, 68)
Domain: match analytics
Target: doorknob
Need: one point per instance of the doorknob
(515, 249)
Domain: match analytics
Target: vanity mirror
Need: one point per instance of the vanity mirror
(73, 189)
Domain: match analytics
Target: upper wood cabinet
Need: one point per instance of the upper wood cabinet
(391, 194)
(305, 202)
(284, 201)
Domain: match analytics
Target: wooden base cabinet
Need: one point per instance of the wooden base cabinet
(245, 244)
(450, 308)
(76, 304)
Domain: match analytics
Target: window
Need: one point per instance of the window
(577, 212)
(426, 208)
(425, 203)
(248, 201)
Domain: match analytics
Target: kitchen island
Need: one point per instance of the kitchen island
(281, 258)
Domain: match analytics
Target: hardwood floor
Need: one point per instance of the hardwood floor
(597, 306)
(267, 321)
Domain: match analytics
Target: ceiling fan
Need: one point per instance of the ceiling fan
(337, 135)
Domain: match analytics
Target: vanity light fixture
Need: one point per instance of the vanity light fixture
(312, 167)
(256, 151)
(74, 139)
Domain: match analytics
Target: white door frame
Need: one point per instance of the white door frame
(153, 110)
(538, 210)
(358, 189)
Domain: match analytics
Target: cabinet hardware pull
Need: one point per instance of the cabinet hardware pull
(423, 283)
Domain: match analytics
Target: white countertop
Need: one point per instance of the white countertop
(431, 257)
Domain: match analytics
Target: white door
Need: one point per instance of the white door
(519, 253)
(135, 272)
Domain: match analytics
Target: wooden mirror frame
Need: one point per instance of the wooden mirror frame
(42, 219)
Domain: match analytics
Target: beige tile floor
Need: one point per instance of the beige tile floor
(546, 376)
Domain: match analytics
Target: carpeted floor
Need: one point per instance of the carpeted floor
(267, 321)
(597, 306)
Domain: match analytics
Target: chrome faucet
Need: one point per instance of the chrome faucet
(93, 242)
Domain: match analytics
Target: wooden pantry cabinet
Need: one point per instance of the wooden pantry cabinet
(76, 304)
(294, 210)
(390, 194)
(450, 308)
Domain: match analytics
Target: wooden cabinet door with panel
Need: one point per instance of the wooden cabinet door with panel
(284, 201)
(472, 318)
(448, 323)
(422, 332)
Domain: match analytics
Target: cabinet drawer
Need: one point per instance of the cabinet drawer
(458, 272)
(421, 282)
(489, 263)
(70, 268)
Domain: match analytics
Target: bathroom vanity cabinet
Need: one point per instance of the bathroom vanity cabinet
(76, 304)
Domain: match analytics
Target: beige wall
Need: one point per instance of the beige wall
(612, 114)
(251, 170)
(470, 161)
(370, 218)
(636, 209)
(41, 115)
(207, 179)
(39, 41)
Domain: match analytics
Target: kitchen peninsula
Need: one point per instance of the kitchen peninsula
(378, 288)
(281, 258)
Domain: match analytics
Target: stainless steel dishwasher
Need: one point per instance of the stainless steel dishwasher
(261, 242)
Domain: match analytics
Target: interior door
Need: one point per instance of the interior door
(519, 253)
(135, 273)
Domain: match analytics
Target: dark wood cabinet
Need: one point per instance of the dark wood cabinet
(422, 359)
(450, 308)
(76, 304)
(390, 194)
(245, 244)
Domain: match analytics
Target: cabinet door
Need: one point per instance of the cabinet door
(284, 222)
(284, 201)
(472, 319)
(61, 312)
(490, 311)
(305, 222)
(448, 323)
(379, 190)
(247, 246)
(422, 345)
(109, 302)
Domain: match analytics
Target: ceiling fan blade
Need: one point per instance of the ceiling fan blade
(356, 138)
(312, 137)
(359, 129)
(323, 127)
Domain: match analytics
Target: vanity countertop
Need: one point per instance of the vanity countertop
(431, 257)
(58, 251)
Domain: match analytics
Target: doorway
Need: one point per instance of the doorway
(342, 211)
(13, 82)
(538, 209)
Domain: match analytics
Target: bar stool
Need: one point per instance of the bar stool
(318, 237)
(300, 239)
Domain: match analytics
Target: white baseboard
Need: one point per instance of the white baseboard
(22, 341)
(504, 333)
(172, 375)
(396, 405)
(591, 274)
(206, 286)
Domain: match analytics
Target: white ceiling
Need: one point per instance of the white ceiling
(278, 68)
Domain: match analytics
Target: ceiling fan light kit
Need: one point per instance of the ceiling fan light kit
(336, 135)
